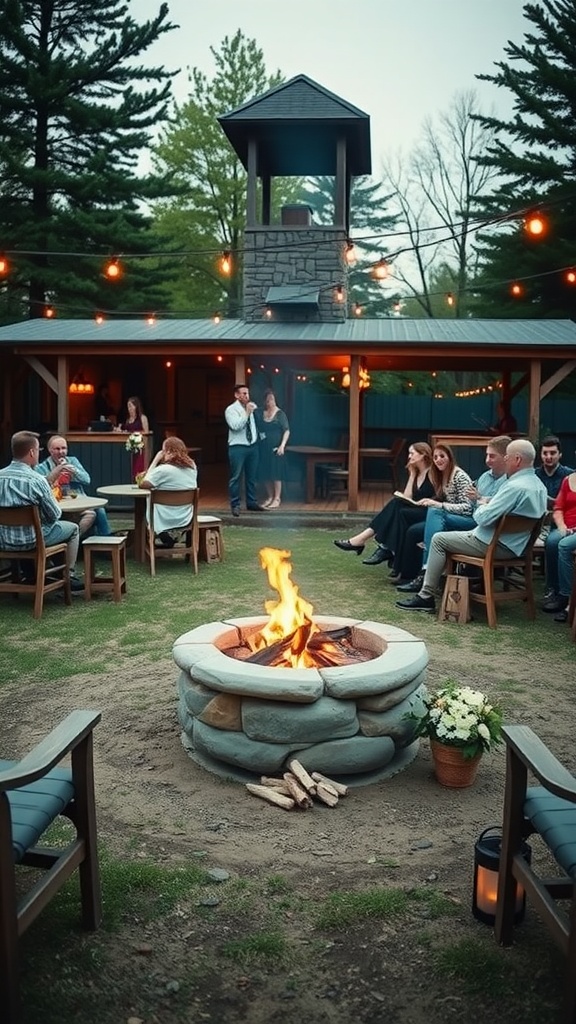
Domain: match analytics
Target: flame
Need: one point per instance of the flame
(291, 615)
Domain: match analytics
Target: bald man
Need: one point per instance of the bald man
(523, 494)
(65, 470)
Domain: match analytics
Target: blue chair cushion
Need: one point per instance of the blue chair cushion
(34, 807)
(555, 820)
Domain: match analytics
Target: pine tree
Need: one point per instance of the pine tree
(535, 153)
(75, 116)
(369, 221)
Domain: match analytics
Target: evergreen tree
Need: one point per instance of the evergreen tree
(209, 213)
(534, 151)
(368, 218)
(74, 118)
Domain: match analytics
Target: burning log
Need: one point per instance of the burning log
(339, 787)
(271, 795)
(272, 654)
(301, 774)
(325, 636)
(297, 792)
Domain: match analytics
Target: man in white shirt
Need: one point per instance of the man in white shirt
(522, 495)
(242, 450)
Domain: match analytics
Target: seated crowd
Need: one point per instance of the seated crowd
(441, 511)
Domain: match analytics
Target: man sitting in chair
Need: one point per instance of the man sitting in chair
(21, 485)
(171, 469)
(522, 495)
(67, 471)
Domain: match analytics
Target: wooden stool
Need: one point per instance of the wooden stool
(116, 548)
(211, 540)
(337, 481)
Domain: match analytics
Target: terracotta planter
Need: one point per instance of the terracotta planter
(451, 767)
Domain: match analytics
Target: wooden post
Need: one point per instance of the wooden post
(251, 185)
(534, 401)
(353, 423)
(239, 370)
(63, 394)
(340, 197)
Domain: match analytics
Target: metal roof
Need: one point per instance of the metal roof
(348, 335)
(297, 126)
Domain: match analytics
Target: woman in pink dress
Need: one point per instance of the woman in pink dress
(136, 422)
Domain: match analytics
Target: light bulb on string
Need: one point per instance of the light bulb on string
(350, 252)
(99, 318)
(381, 270)
(357, 309)
(268, 313)
(516, 290)
(151, 319)
(226, 261)
(216, 318)
(570, 276)
(449, 299)
(113, 270)
(4, 265)
(535, 225)
(339, 293)
(49, 312)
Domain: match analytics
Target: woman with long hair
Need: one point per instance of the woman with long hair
(136, 423)
(171, 469)
(274, 431)
(385, 526)
(451, 484)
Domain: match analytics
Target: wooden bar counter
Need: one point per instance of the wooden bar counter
(103, 454)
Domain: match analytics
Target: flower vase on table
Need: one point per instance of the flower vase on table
(461, 724)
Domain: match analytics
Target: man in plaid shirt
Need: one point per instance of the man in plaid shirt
(20, 484)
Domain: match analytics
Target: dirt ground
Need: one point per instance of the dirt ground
(155, 802)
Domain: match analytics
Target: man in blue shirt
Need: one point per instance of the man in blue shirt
(65, 469)
(523, 494)
(438, 520)
(20, 484)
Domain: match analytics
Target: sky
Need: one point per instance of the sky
(399, 62)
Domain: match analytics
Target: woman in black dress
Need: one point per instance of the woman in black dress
(274, 432)
(386, 526)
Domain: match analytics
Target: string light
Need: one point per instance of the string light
(216, 318)
(350, 253)
(449, 298)
(49, 312)
(381, 270)
(268, 313)
(151, 319)
(99, 318)
(535, 225)
(339, 293)
(226, 262)
(516, 290)
(168, 364)
(113, 270)
(571, 276)
(357, 309)
(4, 265)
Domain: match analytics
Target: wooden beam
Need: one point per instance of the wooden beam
(240, 370)
(266, 200)
(534, 401)
(340, 184)
(43, 372)
(62, 394)
(251, 185)
(353, 427)
(557, 378)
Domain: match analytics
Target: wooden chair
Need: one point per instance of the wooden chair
(189, 546)
(59, 579)
(33, 792)
(522, 588)
(549, 810)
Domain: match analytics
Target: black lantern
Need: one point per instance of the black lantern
(486, 866)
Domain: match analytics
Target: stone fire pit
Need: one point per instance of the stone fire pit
(242, 720)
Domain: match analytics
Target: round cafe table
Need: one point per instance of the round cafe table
(80, 503)
(140, 495)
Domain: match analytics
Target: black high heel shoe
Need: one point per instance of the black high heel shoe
(345, 545)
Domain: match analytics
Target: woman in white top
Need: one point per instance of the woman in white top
(171, 469)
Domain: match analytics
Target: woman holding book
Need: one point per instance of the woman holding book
(453, 483)
(385, 526)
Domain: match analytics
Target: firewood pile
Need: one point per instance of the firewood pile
(297, 790)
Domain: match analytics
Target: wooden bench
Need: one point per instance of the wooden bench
(33, 792)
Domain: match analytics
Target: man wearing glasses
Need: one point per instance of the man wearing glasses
(523, 494)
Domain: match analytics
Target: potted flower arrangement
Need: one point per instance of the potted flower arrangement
(461, 724)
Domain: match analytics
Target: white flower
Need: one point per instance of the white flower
(134, 443)
(484, 732)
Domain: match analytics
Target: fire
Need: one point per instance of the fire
(291, 615)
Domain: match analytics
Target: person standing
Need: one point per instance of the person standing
(136, 423)
(242, 449)
(66, 471)
(274, 433)
(20, 484)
